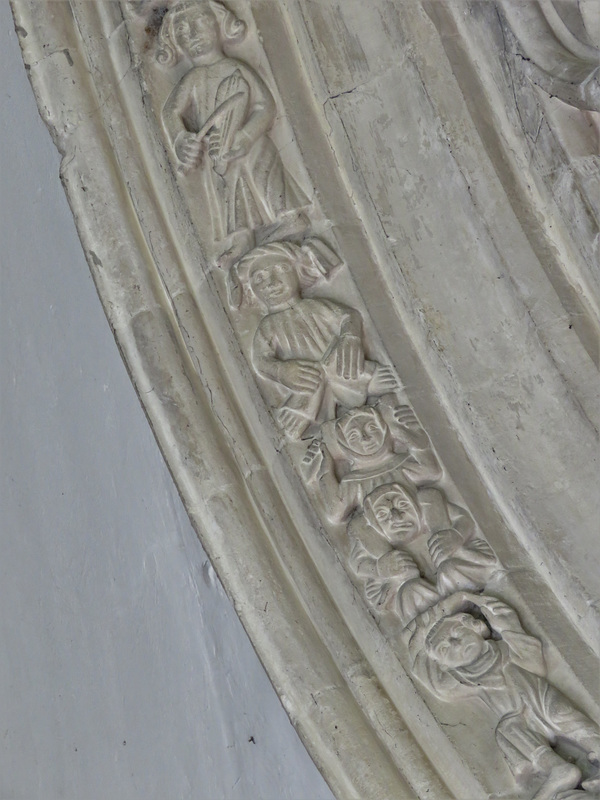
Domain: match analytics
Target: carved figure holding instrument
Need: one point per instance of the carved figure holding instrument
(217, 119)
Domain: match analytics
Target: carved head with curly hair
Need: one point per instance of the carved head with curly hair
(198, 30)
(277, 273)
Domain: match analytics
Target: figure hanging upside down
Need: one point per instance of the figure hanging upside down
(309, 348)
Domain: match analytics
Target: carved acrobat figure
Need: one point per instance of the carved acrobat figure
(474, 646)
(309, 348)
(217, 119)
(413, 547)
(365, 448)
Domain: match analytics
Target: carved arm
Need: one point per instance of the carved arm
(298, 374)
(260, 116)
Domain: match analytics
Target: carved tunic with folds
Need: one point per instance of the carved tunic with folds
(310, 330)
(307, 330)
(510, 679)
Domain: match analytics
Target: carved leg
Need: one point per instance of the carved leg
(526, 748)
(292, 226)
(592, 785)
(560, 775)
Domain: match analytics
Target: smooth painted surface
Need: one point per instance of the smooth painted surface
(124, 672)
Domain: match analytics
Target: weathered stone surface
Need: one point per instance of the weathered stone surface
(348, 250)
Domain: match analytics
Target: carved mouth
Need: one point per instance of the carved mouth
(403, 528)
(277, 290)
(370, 447)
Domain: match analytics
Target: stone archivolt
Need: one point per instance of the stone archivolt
(428, 574)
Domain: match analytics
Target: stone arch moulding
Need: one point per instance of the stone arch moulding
(345, 251)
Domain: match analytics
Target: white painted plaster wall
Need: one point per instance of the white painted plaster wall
(124, 671)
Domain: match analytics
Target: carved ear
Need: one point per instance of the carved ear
(233, 29)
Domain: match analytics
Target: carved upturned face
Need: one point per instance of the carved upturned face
(196, 32)
(457, 641)
(362, 431)
(275, 282)
(395, 514)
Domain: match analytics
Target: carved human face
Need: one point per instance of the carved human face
(196, 32)
(458, 641)
(396, 515)
(275, 283)
(363, 432)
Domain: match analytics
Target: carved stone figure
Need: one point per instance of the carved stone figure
(470, 646)
(309, 348)
(365, 448)
(217, 119)
(413, 547)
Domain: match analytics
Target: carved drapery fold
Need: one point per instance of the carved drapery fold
(295, 421)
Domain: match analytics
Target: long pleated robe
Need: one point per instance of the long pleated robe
(254, 190)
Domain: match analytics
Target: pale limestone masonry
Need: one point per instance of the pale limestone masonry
(349, 253)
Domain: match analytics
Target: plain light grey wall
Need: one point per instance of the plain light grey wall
(124, 672)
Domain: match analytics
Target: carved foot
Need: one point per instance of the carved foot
(592, 785)
(560, 778)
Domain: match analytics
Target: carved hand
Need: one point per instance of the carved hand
(443, 544)
(240, 146)
(291, 422)
(188, 149)
(383, 380)
(377, 591)
(350, 357)
(300, 375)
(397, 563)
(412, 431)
(500, 616)
(214, 143)
(311, 464)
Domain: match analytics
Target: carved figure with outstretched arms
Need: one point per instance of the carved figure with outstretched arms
(364, 448)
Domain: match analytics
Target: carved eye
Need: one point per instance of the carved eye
(382, 514)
